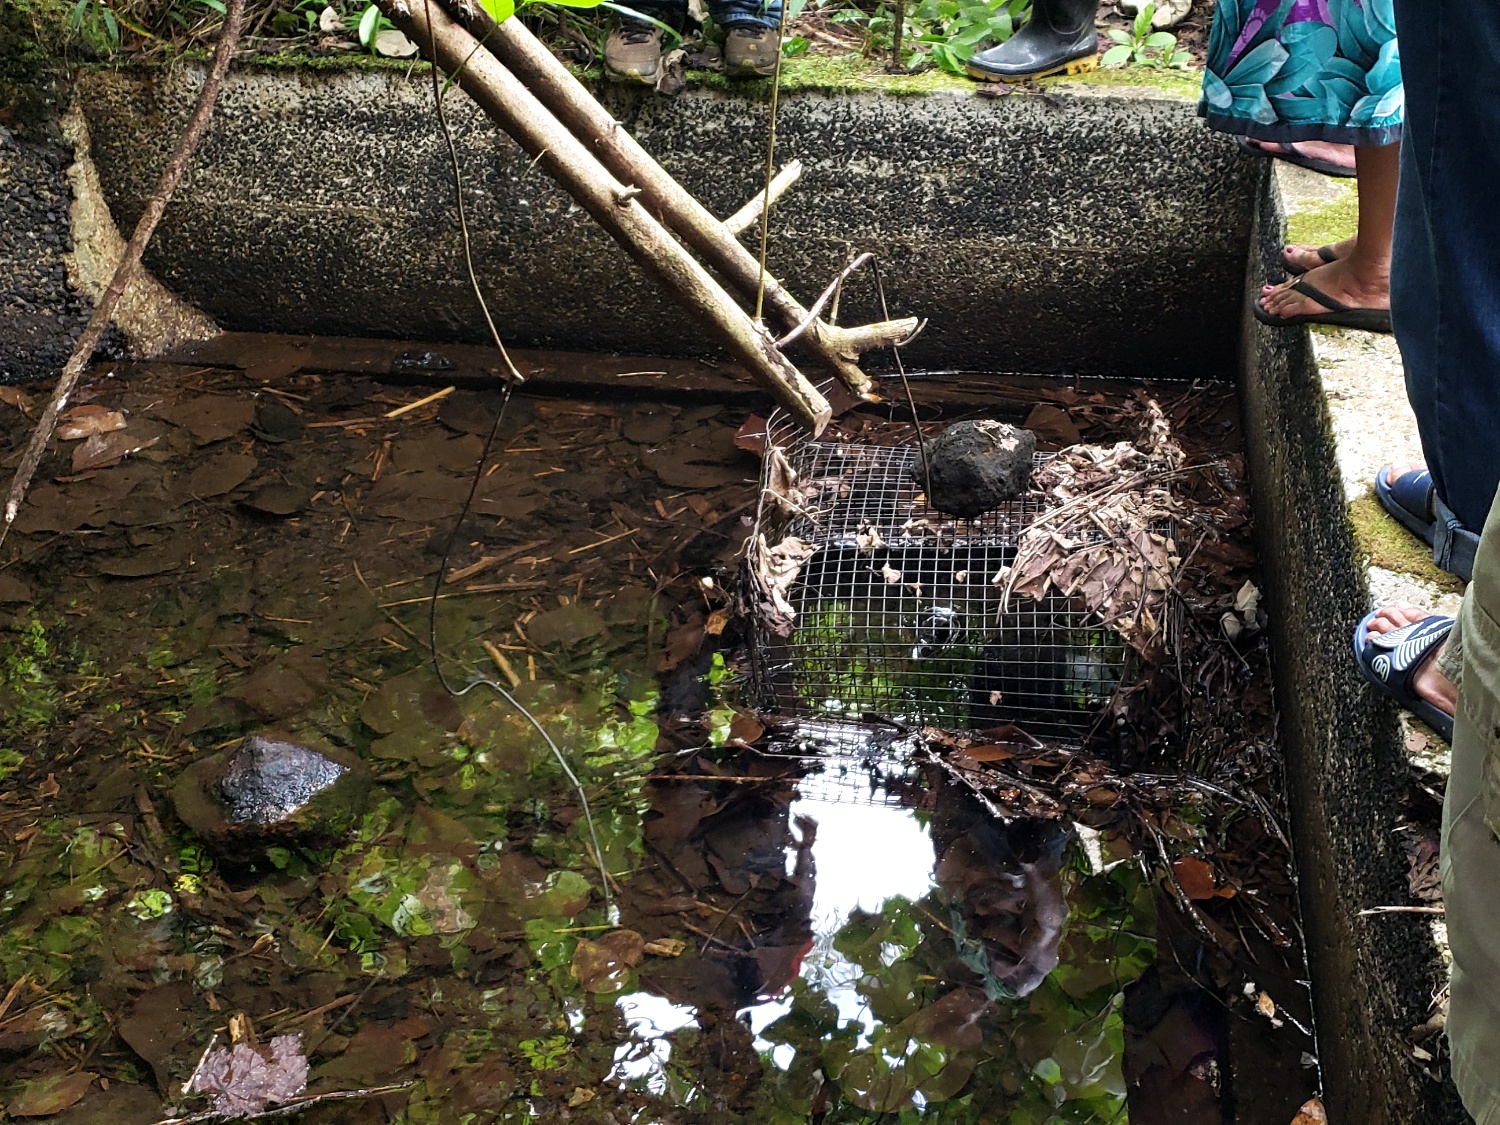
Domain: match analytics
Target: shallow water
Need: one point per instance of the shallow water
(824, 932)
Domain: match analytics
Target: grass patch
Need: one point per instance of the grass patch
(1388, 545)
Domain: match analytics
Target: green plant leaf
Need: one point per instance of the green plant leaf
(1120, 36)
(1143, 21)
(1115, 56)
(1161, 39)
(368, 20)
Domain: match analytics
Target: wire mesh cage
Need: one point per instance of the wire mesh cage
(898, 613)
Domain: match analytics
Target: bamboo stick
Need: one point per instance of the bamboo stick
(554, 85)
(748, 215)
(612, 204)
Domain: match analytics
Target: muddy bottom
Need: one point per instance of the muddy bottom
(799, 923)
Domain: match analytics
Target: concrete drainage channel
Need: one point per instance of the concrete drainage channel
(1083, 231)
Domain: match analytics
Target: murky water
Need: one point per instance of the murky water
(801, 927)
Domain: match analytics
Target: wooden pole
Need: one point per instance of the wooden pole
(613, 205)
(554, 85)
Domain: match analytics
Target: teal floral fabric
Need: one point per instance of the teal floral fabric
(1305, 70)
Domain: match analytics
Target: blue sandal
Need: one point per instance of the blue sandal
(1408, 499)
(1413, 502)
(1391, 661)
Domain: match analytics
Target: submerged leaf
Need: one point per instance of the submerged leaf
(42, 1097)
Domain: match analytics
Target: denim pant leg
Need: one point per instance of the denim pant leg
(1445, 283)
(673, 13)
(745, 13)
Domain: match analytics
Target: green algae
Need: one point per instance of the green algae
(1328, 222)
(1388, 545)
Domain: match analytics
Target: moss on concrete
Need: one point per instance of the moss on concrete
(32, 34)
(1182, 83)
(1327, 222)
(842, 74)
(1388, 545)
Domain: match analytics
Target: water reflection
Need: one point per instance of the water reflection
(902, 952)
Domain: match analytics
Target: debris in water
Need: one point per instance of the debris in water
(774, 570)
(975, 466)
(245, 1080)
(88, 420)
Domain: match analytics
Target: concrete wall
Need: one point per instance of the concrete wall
(1374, 978)
(1099, 230)
(40, 315)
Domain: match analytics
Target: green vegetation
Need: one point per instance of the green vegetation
(1140, 46)
(1388, 545)
(1331, 221)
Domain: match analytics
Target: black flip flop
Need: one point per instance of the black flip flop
(1292, 156)
(1338, 314)
(1324, 252)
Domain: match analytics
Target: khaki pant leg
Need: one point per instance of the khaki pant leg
(1471, 850)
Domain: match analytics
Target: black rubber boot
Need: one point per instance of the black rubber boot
(1058, 39)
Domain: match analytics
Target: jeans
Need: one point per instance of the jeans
(725, 13)
(1445, 277)
(1471, 850)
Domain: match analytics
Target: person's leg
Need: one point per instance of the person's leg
(752, 35)
(1445, 295)
(1361, 278)
(745, 13)
(1470, 849)
(633, 50)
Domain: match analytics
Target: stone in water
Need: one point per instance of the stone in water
(976, 466)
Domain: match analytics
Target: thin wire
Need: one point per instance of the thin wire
(916, 423)
(458, 190)
(765, 210)
(484, 456)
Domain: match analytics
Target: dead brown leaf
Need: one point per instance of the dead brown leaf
(15, 396)
(1311, 1113)
(1196, 878)
(103, 450)
(88, 420)
(604, 965)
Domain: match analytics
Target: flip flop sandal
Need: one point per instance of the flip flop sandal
(1391, 661)
(1338, 314)
(1408, 499)
(1292, 156)
(1324, 252)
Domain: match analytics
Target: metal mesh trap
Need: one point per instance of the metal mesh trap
(897, 612)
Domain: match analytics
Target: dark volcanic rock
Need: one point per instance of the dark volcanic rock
(269, 793)
(977, 465)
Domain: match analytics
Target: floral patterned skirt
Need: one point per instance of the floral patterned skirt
(1305, 70)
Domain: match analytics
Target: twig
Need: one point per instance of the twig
(291, 1107)
(12, 993)
(748, 215)
(410, 406)
(171, 176)
(823, 298)
(1401, 910)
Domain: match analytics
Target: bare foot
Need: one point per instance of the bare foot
(1348, 281)
(1300, 259)
(1428, 682)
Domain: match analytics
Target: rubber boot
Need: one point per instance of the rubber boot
(1058, 39)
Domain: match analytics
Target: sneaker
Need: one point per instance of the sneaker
(633, 53)
(750, 51)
